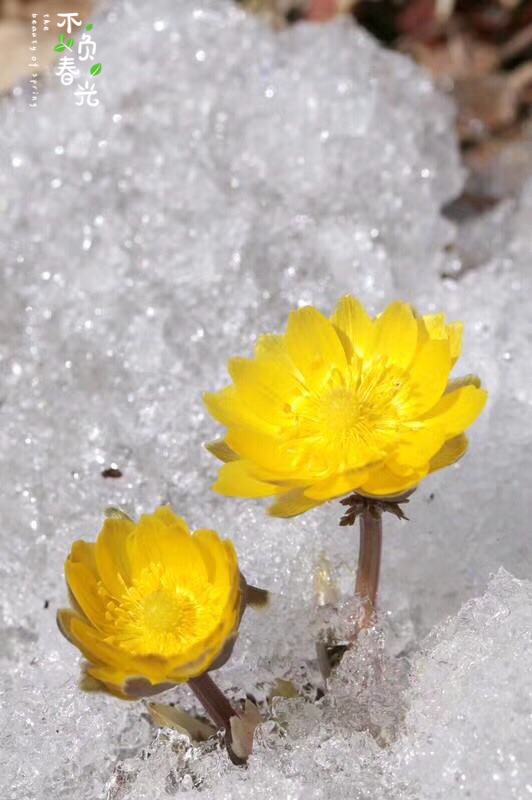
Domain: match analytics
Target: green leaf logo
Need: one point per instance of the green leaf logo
(70, 43)
(62, 38)
(88, 27)
(59, 48)
(96, 69)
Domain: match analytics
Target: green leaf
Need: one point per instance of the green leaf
(96, 69)
(88, 27)
(70, 43)
(62, 38)
(59, 48)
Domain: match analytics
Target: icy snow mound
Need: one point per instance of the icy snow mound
(467, 731)
(217, 139)
(469, 724)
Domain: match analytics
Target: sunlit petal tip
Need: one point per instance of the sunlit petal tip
(138, 687)
(159, 607)
(451, 452)
(210, 400)
(291, 504)
(354, 326)
(465, 380)
(235, 480)
(169, 518)
(221, 450)
(236, 367)
(62, 618)
(218, 404)
(89, 684)
(113, 512)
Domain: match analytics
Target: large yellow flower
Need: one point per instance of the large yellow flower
(341, 405)
(153, 604)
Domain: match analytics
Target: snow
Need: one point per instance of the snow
(228, 175)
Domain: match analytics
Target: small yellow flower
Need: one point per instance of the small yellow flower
(341, 405)
(153, 604)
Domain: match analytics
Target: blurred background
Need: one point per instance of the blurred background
(479, 51)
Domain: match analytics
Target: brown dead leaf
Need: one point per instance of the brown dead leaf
(460, 56)
(243, 729)
(283, 688)
(490, 103)
(166, 716)
(418, 19)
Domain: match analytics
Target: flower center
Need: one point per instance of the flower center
(351, 420)
(162, 613)
(341, 409)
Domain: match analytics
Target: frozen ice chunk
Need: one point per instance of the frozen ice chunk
(469, 724)
(457, 724)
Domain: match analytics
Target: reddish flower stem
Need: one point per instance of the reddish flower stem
(369, 563)
(222, 712)
(213, 701)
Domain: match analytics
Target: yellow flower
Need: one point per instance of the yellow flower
(153, 604)
(341, 405)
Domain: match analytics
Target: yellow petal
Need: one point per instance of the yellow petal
(273, 346)
(227, 408)
(313, 344)
(199, 658)
(112, 556)
(116, 682)
(457, 410)
(83, 584)
(436, 326)
(136, 687)
(168, 517)
(451, 451)
(418, 447)
(337, 485)
(234, 480)
(383, 482)
(292, 503)
(233, 573)
(438, 329)
(63, 619)
(110, 679)
(74, 628)
(456, 333)
(98, 652)
(266, 387)
(84, 553)
(396, 334)
(354, 325)
(429, 375)
(155, 543)
(263, 449)
(197, 662)
(222, 451)
(220, 560)
(208, 543)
